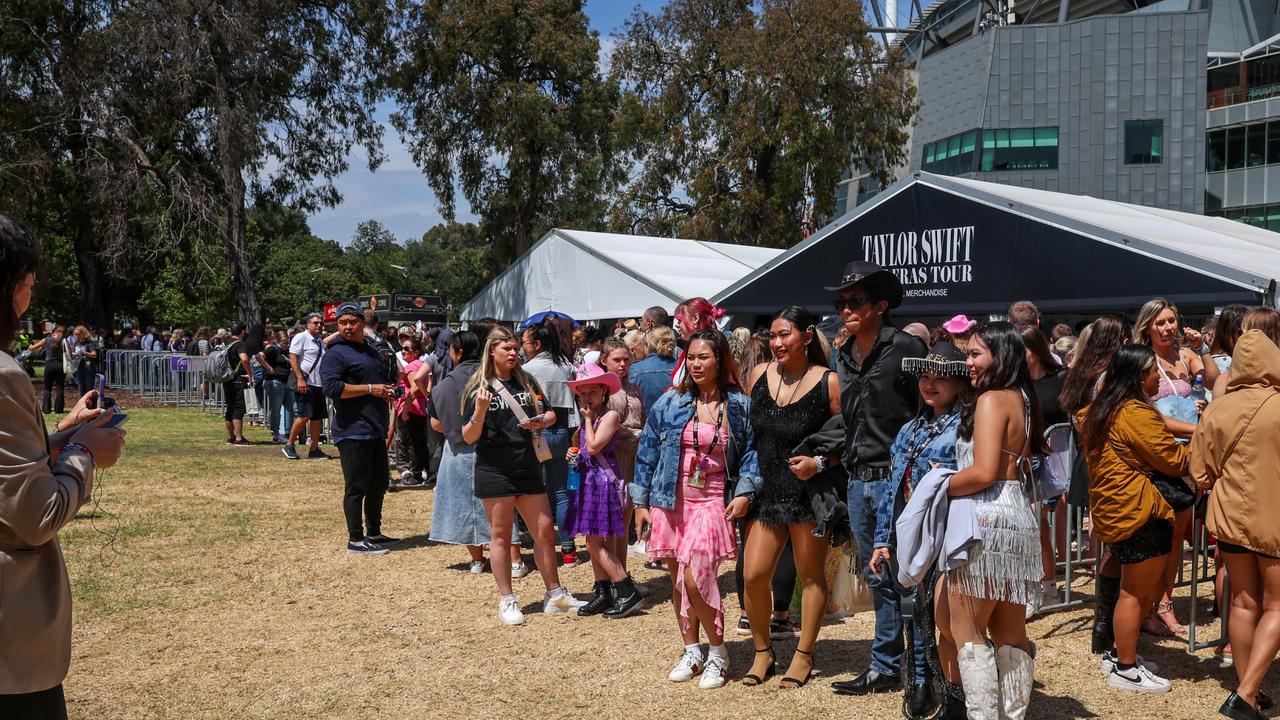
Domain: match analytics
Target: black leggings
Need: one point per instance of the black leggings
(784, 576)
(416, 426)
(55, 385)
(365, 470)
(44, 705)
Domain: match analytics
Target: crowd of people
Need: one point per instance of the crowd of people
(936, 452)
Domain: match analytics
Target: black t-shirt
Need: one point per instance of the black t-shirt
(233, 359)
(505, 450)
(278, 360)
(1047, 389)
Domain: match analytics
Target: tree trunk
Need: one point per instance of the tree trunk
(95, 285)
(232, 224)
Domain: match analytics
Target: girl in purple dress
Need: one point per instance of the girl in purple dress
(595, 509)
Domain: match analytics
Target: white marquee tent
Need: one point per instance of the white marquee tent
(593, 275)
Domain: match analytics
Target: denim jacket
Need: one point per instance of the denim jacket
(940, 450)
(658, 458)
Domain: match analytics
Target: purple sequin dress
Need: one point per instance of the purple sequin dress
(596, 508)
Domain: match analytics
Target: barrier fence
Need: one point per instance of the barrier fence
(173, 379)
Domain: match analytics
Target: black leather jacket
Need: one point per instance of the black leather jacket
(877, 398)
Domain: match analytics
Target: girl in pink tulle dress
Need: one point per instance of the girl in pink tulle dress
(696, 534)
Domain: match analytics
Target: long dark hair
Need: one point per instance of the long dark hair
(467, 344)
(1122, 384)
(1227, 328)
(1039, 346)
(1008, 371)
(1106, 335)
(726, 371)
(549, 338)
(19, 257)
(804, 321)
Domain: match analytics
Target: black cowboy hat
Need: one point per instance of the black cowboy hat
(879, 283)
(944, 360)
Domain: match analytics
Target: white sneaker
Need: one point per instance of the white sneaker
(560, 601)
(690, 664)
(509, 611)
(1109, 663)
(477, 567)
(1139, 679)
(639, 548)
(519, 571)
(713, 674)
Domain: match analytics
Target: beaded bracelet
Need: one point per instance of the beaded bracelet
(78, 446)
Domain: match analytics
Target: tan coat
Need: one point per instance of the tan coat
(1236, 449)
(36, 500)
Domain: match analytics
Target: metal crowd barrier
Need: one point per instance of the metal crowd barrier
(172, 379)
(1079, 557)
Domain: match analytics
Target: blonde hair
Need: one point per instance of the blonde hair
(1265, 319)
(486, 373)
(81, 333)
(1147, 315)
(637, 338)
(663, 341)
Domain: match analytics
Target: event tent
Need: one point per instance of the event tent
(593, 275)
(970, 246)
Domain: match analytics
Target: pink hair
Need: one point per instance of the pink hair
(700, 312)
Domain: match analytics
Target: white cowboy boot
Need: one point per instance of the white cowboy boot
(1016, 670)
(981, 681)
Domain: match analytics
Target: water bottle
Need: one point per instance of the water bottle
(1197, 390)
(575, 478)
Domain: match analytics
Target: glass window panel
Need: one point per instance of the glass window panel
(1022, 137)
(968, 142)
(1047, 137)
(1235, 148)
(1273, 217)
(1255, 144)
(1143, 141)
(988, 160)
(1216, 150)
(1273, 142)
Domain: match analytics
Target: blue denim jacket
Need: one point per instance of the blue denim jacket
(941, 450)
(658, 459)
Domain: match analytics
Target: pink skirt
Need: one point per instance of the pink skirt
(696, 535)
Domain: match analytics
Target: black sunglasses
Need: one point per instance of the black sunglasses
(852, 303)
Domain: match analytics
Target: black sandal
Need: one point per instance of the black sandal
(791, 683)
(751, 680)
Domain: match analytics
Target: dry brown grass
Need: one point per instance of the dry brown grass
(228, 594)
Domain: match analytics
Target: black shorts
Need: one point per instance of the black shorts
(234, 392)
(1152, 540)
(1227, 547)
(311, 404)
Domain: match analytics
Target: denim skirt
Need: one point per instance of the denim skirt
(457, 516)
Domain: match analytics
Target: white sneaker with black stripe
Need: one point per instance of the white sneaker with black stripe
(1138, 679)
(690, 664)
(713, 675)
(1109, 663)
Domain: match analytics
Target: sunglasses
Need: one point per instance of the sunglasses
(852, 303)
(408, 349)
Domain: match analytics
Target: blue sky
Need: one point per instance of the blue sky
(397, 194)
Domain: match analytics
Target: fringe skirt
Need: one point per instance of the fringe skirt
(1008, 566)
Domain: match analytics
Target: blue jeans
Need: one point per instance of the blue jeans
(555, 477)
(274, 390)
(288, 410)
(886, 647)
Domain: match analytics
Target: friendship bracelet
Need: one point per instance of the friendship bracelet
(81, 448)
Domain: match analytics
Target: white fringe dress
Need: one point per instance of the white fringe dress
(1008, 566)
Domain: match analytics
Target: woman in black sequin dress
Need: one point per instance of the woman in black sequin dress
(791, 399)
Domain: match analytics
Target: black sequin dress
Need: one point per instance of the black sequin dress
(782, 500)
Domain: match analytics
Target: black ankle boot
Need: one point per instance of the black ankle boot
(627, 599)
(602, 599)
(952, 704)
(1107, 590)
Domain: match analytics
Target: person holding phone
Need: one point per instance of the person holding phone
(43, 483)
(503, 407)
(353, 374)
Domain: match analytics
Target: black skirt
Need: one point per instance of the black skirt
(1152, 540)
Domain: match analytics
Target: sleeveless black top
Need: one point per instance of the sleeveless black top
(782, 500)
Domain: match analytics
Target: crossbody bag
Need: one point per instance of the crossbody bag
(540, 446)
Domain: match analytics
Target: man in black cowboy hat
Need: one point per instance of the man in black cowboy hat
(877, 398)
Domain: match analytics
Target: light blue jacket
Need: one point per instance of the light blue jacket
(658, 458)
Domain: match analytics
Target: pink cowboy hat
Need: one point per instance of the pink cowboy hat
(592, 374)
(959, 324)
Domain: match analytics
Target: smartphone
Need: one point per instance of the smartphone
(104, 402)
(117, 420)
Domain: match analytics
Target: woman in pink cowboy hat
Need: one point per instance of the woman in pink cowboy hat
(961, 330)
(595, 510)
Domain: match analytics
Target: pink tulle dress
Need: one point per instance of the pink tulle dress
(695, 534)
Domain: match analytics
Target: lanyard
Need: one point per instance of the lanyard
(699, 456)
(918, 446)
